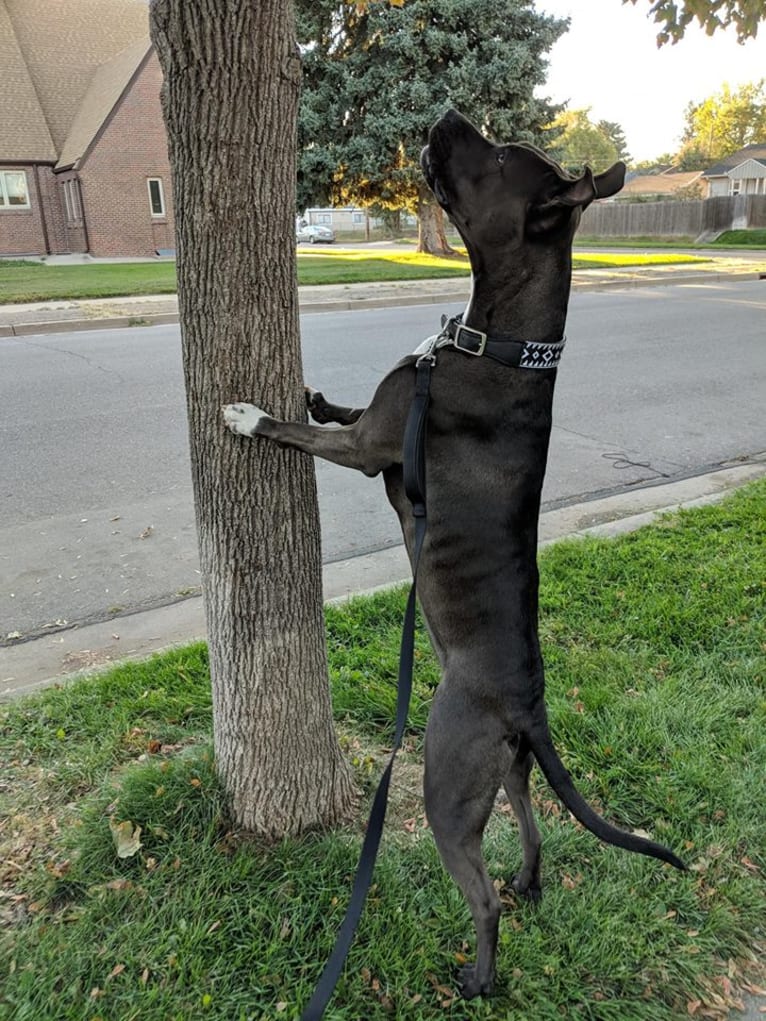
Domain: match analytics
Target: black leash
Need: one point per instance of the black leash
(413, 464)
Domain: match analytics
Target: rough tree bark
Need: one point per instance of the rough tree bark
(432, 238)
(231, 82)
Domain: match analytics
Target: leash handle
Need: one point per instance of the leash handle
(413, 465)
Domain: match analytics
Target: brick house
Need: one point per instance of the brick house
(83, 150)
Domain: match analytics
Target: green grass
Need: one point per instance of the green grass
(742, 239)
(655, 646)
(24, 281)
(634, 241)
(729, 239)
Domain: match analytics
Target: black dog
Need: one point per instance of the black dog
(488, 432)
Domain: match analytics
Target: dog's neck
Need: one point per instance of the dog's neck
(523, 296)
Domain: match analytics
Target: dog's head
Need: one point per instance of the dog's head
(506, 193)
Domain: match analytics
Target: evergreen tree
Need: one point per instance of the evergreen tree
(376, 77)
(613, 131)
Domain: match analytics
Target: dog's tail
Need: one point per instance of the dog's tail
(556, 774)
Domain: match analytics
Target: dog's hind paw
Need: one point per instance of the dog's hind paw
(244, 419)
(469, 984)
(531, 891)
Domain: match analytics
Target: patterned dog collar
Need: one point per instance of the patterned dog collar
(522, 354)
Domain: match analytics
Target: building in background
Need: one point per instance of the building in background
(742, 173)
(83, 150)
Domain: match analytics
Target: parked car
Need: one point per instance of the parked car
(315, 234)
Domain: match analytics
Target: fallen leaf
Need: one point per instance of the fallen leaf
(144, 976)
(127, 838)
(693, 1006)
(146, 532)
(118, 884)
(281, 1006)
(116, 970)
(214, 926)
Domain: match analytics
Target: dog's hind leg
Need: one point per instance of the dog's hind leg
(323, 412)
(462, 754)
(516, 782)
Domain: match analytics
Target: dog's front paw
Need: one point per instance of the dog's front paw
(470, 985)
(317, 406)
(244, 419)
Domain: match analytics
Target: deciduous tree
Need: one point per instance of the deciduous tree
(579, 141)
(723, 123)
(230, 98)
(674, 17)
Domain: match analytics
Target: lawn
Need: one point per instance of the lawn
(24, 280)
(655, 645)
(729, 239)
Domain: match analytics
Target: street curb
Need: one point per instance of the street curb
(461, 293)
(62, 656)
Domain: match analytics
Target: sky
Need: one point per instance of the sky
(609, 61)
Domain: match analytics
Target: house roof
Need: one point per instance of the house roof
(756, 151)
(60, 44)
(659, 184)
(23, 129)
(108, 84)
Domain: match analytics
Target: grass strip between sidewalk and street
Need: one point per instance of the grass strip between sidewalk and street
(655, 645)
(27, 281)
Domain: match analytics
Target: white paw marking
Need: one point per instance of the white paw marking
(243, 419)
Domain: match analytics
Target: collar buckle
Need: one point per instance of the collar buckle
(469, 341)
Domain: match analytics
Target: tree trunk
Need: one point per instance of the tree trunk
(432, 238)
(230, 97)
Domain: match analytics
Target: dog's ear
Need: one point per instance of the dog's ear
(583, 190)
(611, 181)
(579, 192)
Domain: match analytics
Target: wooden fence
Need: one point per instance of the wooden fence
(665, 219)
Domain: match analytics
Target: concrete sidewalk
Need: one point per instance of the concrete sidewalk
(149, 310)
(60, 655)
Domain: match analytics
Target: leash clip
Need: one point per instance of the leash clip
(427, 351)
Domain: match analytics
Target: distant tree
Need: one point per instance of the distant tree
(723, 123)
(674, 16)
(376, 77)
(656, 165)
(580, 141)
(613, 131)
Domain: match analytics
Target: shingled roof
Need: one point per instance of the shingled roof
(53, 54)
(756, 151)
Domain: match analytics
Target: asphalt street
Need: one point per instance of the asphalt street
(95, 495)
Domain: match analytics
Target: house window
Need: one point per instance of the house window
(735, 187)
(358, 217)
(72, 201)
(156, 196)
(324, 218)
(14, 193)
